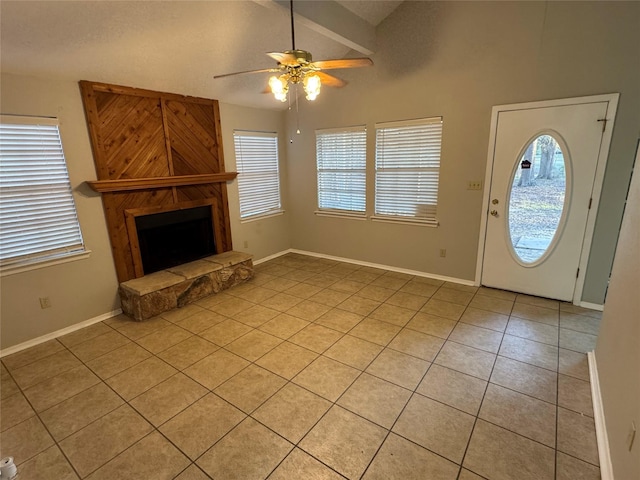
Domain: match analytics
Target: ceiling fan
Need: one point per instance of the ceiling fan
(296, 66)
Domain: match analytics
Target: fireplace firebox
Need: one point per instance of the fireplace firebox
(168, 239)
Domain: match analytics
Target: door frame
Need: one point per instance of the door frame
(603, 154)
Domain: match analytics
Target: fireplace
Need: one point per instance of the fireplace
(178, 258)
(154, 151)
(165, 237)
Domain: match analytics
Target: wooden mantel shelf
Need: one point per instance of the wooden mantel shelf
(159, 182)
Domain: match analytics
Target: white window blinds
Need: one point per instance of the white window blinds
(341, 159)
(407, 170)
(38, 217)
(258, 174)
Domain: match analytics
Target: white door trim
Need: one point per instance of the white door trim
(612, 99)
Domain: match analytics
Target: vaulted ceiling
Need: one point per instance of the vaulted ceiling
(178, 46)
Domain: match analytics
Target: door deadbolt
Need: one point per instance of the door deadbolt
(494, 213)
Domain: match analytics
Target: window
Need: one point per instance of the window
(38, 217)
(258, 175)
(341, 159)
(407, 170)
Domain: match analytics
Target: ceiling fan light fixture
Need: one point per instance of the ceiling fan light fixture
(312, 86)
(279, 87)
(297, 66)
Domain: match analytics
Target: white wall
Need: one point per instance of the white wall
(618, 348)
(85, 289)
(457, 60)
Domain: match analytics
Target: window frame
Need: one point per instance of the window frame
(360, 139)
(257, 210)
(64, 241)
(426, 160)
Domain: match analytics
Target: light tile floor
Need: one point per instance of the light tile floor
(314, 369)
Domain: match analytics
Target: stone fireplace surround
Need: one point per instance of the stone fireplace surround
(158, 292)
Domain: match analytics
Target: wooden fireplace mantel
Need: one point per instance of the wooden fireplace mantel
(126, 184)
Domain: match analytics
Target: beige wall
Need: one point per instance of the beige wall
(617, 351)
(84, 289)
(270, 235)
(457, 60)
(78, 290)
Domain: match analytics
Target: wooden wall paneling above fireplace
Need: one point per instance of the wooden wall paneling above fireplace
(154, 152)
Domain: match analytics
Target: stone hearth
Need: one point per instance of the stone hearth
(158, 292)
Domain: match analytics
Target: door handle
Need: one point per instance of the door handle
(494, 213)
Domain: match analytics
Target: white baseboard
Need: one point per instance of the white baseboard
(271, 257)
(592, 306)
(378, 265)
(58, 333)
(604, 455)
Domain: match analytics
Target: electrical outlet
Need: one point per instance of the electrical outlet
(246, 244)
(632, 435)
(45, 302)
(443, 252)
(474, 185)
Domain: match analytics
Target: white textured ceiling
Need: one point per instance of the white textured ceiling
(174, 46)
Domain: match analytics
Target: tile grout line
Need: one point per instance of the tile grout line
(125, 402)
(101, 381)
(288, 381)
(414, 392)
(154, 354)
(335, 403)
(477, 416)
(527, 364)
(44, 425)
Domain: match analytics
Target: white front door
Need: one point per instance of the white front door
(541, 195)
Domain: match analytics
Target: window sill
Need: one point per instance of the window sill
(262, 216)
(406, 221)
(37, 263)
(341, 214)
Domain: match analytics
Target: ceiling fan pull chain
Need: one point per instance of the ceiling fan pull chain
(289, 100)
(297, 113)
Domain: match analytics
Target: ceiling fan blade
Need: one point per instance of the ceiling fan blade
(330, 80)
(343, 63)
(247, 71)
(284, 58)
